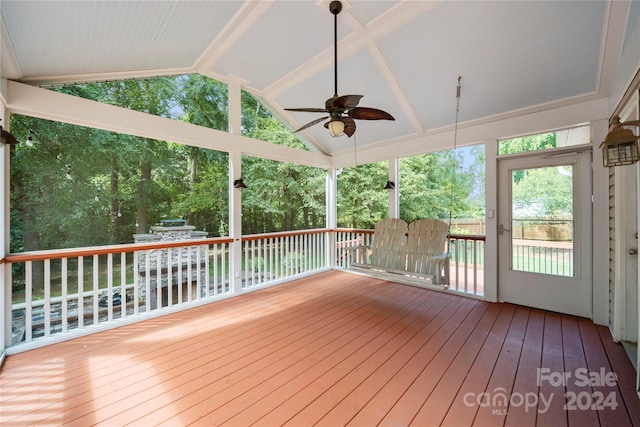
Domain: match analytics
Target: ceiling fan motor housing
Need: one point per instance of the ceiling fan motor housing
(335, 7)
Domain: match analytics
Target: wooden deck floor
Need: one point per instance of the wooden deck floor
(334, 349)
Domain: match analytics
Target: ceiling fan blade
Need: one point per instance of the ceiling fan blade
(311, 123)
(308, 110)
(347, 102)
(349, 126)
(364, 113)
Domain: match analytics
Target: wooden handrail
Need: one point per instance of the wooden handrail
(110, 249)
(250, 237)
(450, 236)
(477, 237)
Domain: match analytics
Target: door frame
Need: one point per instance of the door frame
(581, 157)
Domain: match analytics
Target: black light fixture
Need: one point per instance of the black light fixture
(390, 185)
(620, 147)
(7, 138)
(30, 138)
(238, 183)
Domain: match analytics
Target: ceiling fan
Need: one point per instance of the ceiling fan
(344, 109)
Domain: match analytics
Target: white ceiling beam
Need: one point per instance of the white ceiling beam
(395, 86)
(248, 15)
(37, 102)
(612, 41)
(10, 67)
(384, 24)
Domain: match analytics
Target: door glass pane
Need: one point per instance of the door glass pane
(542, 223)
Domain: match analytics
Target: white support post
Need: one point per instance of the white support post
(491, 214)
(600, 229)
(394, 198)
(331, 215)
(5, 269)
(235, 108)
(235, 194)
(235, 223)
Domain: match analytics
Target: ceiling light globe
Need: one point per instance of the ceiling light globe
(336, 128)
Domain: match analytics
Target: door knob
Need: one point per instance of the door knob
(501, 229)
(633, 251)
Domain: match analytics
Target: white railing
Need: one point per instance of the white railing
(65, 293)
(545, 257)
(274, 257)
(466, 271)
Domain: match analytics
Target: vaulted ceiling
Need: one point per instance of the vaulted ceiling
(515, 57)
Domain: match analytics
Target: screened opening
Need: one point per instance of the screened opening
(545, 141)
(445, 184)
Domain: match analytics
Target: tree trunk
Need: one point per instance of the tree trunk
(194, 177)
(143, 190)
(115, 204)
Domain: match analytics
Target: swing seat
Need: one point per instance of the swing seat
(413, 254)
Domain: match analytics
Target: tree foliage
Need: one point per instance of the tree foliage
(77, 186)
(439, 185)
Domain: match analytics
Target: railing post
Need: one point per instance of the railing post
(235, 223)
(5, 300)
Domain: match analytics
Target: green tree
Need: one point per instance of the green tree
(543, 191)
(439, 185)
(362, 199)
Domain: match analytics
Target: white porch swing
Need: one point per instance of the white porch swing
(412, 253)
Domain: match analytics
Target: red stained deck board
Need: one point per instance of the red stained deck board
(504, 372)
(404, 411)
(550, 409)
(575, 365)
(307, 387)
(332, 349)
(464, 406)
(597, 361)
(526, 380)
(236, 365)
(289, 408)
(625, 373)
(323, 358)
(376, 408)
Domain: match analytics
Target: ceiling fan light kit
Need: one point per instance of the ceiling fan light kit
(336, 127)
(344, 109)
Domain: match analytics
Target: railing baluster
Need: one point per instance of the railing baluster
(123, 285)
(96, 278)
(65, 295)
(170, 277)
(157, 301)
(109, 287)
(136, 282)
(190, 296)
(47, 297)
(28, 299)
(80, 306)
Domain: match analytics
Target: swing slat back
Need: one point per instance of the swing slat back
(426, 239)
(389, 244)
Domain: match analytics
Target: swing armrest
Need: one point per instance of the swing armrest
(353, 250)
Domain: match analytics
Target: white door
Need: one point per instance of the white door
(544, 231)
